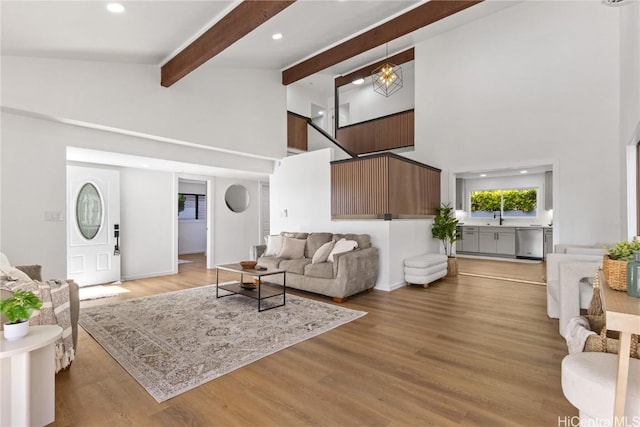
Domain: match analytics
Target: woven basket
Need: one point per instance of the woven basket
(607, 341)
(615, 271)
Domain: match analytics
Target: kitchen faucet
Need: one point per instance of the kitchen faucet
(499, 213)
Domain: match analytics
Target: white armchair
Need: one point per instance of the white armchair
(566, 293)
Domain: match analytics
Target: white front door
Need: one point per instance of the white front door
(93, 225)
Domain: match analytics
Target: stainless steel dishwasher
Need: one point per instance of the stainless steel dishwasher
(529, 242)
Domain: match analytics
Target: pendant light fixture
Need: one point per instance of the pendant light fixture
(387, 79)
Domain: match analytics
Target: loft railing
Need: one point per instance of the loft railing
(298, 137)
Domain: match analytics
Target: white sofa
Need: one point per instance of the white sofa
(566, 293)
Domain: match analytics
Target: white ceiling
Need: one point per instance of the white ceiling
(153, 31)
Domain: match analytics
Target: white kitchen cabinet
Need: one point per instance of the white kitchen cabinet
(506, 242)
(548, 241)
(497, 240)
(469, 240)
(487, 242)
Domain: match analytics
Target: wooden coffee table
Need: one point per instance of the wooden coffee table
(261, 289)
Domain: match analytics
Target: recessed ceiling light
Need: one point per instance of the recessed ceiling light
(523, 171)
(483, 175)
(358, 82)
(321, 112)
(277, 36)
(115, 8)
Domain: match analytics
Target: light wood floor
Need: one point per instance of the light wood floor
(467, 351)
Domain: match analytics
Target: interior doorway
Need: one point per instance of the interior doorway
(193, 213)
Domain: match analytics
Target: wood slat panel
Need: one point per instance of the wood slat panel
(384, 133)
(382, 184)
(412, 188)
(360, 187)
(297, 131)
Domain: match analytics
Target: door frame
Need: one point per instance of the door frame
(210, 245)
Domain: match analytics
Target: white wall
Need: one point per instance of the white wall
(301, 94)
(235, 232)
(146, 223)
(536, 83)
(192, 233)
(34, 164)
(365, 104)
(231, 109)
(115, 104)
(301, 184)
(33, 182)
(629, 107)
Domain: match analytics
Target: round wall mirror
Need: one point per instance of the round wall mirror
(237, 198)
(89, 211)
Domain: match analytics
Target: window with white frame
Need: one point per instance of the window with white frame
(192, 206)
(510, 203)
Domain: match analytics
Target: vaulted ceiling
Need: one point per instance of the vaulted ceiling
(153, 32)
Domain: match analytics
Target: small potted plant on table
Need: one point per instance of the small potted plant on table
(445, 229)
(615, 263)
(18, 310)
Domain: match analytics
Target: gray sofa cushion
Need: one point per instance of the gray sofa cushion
(363, 240)
(321, 269)
(270, 262)
(295, 235)
(294, 265)
(314, 241)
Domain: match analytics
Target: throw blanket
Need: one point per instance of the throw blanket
(577, 333)
(55, 310)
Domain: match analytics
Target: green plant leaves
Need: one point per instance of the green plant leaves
(524, 200)
(624, 250)
(20, 305)
(444, 227)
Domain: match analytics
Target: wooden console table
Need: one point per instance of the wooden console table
(622, 313)
(27, 367)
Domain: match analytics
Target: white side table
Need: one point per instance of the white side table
(27, 372)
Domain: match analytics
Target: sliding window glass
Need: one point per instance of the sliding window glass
(192, 206)
(511, 203)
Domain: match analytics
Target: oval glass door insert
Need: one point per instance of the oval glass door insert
(89, 211)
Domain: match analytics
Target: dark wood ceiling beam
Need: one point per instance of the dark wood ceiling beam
(409, 22)
(364, 72)
(247, 16)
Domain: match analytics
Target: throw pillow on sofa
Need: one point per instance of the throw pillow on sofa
(292, 248)
(9, 271)
(274, 245)
(322, 254)
(341, 246)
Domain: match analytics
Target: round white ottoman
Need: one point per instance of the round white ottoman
(424, 269)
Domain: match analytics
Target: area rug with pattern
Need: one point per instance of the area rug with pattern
(173, 342)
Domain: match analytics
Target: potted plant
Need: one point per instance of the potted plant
(445, 229)
(615, 262)
(18, 310)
